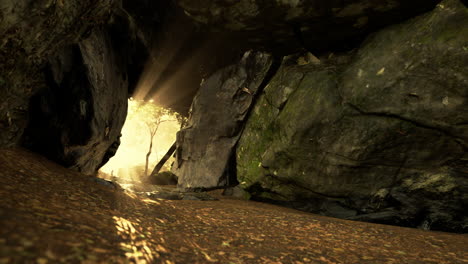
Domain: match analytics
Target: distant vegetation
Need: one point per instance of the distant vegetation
(148, 133)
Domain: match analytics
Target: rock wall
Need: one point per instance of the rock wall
(77, 119)
(66, 69)
(62, 85)
(30, 32)
(380, 135)
(205, 145)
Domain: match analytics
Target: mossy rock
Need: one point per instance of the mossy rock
(163, 178)
(381, 118)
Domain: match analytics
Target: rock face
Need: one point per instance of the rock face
(315, 24)
(61, 80)
(77, 120)
(380, 135)
(163, 178)
(30, 32)
(65, 68)
(205, 145)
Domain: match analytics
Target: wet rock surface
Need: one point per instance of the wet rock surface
(379, 135)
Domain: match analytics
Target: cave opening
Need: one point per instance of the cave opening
(226, 131)
(148, 132)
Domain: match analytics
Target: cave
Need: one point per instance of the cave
(185, 131)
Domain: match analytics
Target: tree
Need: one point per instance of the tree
(182, 120)
(149, 116)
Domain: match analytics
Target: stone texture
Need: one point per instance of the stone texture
(77, 119)
(49, 52)
(64, 75)
(205, 145)
(380, 135)
(288, 24)
(163, 178)
(237, 192)
(30, 32)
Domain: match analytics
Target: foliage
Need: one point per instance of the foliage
(149, 116)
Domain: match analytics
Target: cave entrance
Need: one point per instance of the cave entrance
(149, 131)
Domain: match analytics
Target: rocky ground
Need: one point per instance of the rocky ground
(49, 214)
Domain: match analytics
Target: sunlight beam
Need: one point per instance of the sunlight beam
(127, 165)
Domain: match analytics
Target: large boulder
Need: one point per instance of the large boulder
(205, 145)
(288, 24)
(163, 178)
(62, 80)
(78, 118)
(65, 66)
(380, 135)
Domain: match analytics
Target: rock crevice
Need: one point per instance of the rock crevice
(205, 145)
(445, 129)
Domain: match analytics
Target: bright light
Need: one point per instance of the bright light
(138, 249)
(129, 162)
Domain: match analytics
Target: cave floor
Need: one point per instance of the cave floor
(49, 214)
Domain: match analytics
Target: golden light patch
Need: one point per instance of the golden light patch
(129, 162)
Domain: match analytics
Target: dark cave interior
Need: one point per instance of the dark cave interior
(352, 109)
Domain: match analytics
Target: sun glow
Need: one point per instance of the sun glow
(129, 162)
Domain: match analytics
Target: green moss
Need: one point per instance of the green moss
(261, 129)
(293, 99)
(254, 142)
